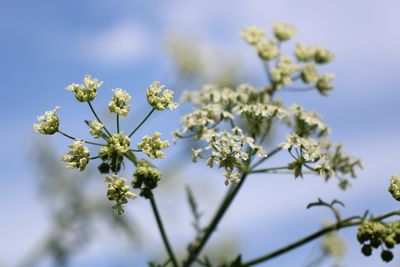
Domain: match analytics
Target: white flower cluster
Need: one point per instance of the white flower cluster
(282, 74)
(307, 148)
(86, 91)
(95, 128)
(394, 187)
(152, 146)
(77, 156)
(258, 110)
(310, 119)
(317, 54)
(118, 192)
(48, 123)
(160, 98)
(119, 102)
(118, 143)
(227, 150)
(283, 31)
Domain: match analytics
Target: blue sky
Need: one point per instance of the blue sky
(46, 45)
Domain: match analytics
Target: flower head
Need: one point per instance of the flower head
(77, 156)
(309, 73)
(323, 55)
(95, 128)
(118, 192)
(283, 31)
(282, 73)
(146, 178)
(152, 146)
(119, 102)
(48, 123)
(324, 83)
(304, 53)
(252, 34)
(86, 91)
(160, 98)
(267, 50)
(118, 143)
(394, 187)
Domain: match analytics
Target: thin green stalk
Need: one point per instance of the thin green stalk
(270, 154)
(266, 170)
(141, 123)
(97, 117)
(199, 244)
(117, 123)
(341, 224)
(162, 232)
(73, 138)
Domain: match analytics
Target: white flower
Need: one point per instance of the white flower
(117, 143)
(304, 53)
(119, 192)
(86, 91)
(281, 75)
(325, 169)
(283, 31)
(153, 146)
(252, 34)
(394, 187)
(324, 83)
(160, 98)
(230, 176)
(196, 153)
(323, 55)
(119, 102)
(95, 128)
(48, 123)
(309, 73)
(77, 156)
(267, 50)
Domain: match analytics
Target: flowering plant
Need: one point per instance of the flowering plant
(229, 127)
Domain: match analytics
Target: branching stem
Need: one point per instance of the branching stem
(141, 123)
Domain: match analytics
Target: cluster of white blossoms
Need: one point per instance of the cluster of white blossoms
(160, 98)
(86, 91)
(230, 150)
(77, 156)
(96, 128)
(48, 123)
(119, 192)
(115, 147)
(119, 102)
(153, 146)
(117, 143)
(394, 187)
(224, 116)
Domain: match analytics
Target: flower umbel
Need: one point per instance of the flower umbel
(160, 98)
(119, 102)
(118, 192)
(86, 91)
(118, 143)
(283, 31)
(95, 128)
(77, 156)
(394, 187)
(152, 146)
(48, 123)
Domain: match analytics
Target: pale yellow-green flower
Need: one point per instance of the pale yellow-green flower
(160, 98)
(304, 53)
(95, 128)
(309, 73)
(119, 192)
(78, 155)
(119, 102)
(117, 143)
(281, 74)
(283, 31)
(252, 34)
(394, 187)
(86, 91)
(324, 83)
(323, 55)
(266, 49)
(153, 146)
(48, 123)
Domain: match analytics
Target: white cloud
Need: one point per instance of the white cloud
(120, 43)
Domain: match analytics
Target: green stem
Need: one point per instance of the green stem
(141, 123)
(273, 169)
(117, 123)
(202, 240)
(73, 138)
(270, 154)
(97, 117)
(162, 232)
(341, 224)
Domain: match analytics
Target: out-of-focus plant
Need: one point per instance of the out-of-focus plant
(229, 125)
